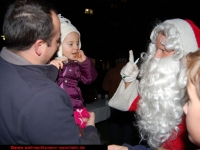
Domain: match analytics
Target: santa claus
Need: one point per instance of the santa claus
(157, 90)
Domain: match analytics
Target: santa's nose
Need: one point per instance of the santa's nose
(158, 54)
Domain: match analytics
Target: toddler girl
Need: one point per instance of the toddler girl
(73, 66)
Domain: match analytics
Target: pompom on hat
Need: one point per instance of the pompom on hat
(66, 27)
(189, 34)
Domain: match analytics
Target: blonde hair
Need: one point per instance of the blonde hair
(193, 69)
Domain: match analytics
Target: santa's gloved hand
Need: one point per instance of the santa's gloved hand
(130, 71)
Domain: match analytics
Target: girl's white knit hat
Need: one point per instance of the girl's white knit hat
(66, 27)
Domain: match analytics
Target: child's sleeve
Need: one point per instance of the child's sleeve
(88, 71)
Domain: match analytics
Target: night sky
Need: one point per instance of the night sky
(112, 32)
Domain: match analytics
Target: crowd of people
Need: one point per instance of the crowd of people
(41, 103)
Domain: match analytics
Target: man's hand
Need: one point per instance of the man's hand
(91, 120)
(117, 147)
(130, 71)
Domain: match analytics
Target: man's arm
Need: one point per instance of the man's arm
(48, 118)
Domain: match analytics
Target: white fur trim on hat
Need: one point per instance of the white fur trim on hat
(66, 27)
(187, 36)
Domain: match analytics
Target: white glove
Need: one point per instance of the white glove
(130, 71)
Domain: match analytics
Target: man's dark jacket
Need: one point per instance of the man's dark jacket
(34, 110)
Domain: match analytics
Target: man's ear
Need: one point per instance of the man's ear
(39, 46)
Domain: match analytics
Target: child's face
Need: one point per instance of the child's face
(192, 111)
(70, 45)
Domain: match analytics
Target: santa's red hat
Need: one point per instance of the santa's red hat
(189, 34)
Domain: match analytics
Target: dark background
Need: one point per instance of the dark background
(117, 26)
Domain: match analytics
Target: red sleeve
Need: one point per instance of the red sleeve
(134, 105)
(182, 141)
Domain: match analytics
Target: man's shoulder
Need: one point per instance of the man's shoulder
(29, 83)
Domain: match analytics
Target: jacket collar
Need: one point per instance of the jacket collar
(13, 58)
(48, 70)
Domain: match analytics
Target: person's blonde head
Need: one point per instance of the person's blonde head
(193, 69)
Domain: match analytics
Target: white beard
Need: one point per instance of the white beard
(160, 108)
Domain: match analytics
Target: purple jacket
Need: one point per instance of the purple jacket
(71, 74)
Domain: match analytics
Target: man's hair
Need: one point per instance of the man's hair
(26, 21)
(193, 69)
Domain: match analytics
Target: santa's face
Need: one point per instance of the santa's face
(161, 51)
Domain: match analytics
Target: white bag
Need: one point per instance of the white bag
(124, 98)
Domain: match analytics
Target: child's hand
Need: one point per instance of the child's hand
(58, 62)
(85, 119)
(81, 117)
(91, 120)
(79, 56)
(117, 147)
